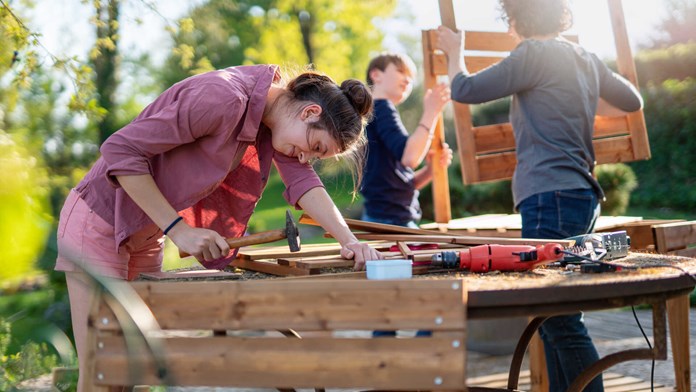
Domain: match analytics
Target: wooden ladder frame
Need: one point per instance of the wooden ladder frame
(487, 153)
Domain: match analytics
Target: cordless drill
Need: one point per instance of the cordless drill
(484, 258)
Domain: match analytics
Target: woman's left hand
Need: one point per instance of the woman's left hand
(360, 252)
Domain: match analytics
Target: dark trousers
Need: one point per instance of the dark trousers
(567, 344)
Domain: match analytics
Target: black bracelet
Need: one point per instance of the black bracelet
(427, 129)
(178, 218)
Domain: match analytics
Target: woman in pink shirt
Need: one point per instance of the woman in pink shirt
(193, 165)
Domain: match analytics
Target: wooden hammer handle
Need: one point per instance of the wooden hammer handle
(252, 239)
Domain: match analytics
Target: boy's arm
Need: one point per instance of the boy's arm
(418, 142)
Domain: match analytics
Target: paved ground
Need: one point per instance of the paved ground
(611, 331)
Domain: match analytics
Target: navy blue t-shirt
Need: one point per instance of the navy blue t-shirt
(387, 188)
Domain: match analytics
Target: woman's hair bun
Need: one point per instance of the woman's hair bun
(358, 95)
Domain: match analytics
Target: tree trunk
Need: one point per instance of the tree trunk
(106, 64)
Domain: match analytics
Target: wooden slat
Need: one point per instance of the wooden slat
(440, 178)
(610, 126)
(371, 227)
(613, 150)
(494, 138)
(498, 166)
(268, 267)
(490, 41)
(674, 236)
(295, 363)
(311, 305)
(461, 240)
(316, 262)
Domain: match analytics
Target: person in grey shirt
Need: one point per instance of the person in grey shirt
(556, 86)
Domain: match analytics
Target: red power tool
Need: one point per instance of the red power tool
(484, 258)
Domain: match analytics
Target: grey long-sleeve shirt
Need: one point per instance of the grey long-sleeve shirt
(555, 86)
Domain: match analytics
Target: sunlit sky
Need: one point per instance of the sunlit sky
(66, 30)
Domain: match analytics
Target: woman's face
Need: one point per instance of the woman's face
(295, 139)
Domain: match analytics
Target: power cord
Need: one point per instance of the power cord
(652, 366)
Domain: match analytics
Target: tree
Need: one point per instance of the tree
(105, 60)
(337, 36)
(678, 26)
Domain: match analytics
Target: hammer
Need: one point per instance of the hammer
(290, 232)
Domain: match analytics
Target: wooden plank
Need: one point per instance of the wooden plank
(494, 138)
(461, 240)
(678, 316)
(627, 68)
(610, 126)
(314, 305)
(295, 363)
(440, 181)
(188, 275)
(268, 267)
(495, 167)
(613, 150)
(316, 262)
(673, 236)
(372, 227)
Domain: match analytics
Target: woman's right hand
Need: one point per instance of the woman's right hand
(450, 42)
(203, 244)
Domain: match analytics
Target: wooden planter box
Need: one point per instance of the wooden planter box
(197, 338)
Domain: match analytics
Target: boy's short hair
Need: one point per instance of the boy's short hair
(402, 62)
(537, 17)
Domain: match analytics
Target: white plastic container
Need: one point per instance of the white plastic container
(389, 269)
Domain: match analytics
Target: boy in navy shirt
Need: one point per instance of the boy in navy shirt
(390, 182)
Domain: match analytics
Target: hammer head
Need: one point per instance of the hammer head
(292, 232)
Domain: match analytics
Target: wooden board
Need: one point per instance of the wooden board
(271, 361)
(371, 227)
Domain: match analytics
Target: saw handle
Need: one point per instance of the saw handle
(252, 239)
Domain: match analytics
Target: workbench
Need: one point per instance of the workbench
(538, 293)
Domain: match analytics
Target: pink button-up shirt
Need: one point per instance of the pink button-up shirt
(195, 140)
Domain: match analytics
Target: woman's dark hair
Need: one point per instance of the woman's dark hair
(537, 17)
(346, 110)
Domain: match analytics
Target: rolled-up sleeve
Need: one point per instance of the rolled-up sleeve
(161, 127)
(297, 177)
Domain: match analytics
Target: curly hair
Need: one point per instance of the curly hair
(537, 17)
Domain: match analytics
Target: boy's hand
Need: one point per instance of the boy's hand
(445, 157)
(435, 99)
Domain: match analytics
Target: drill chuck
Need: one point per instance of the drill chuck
(447, 259)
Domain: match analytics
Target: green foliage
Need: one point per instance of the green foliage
(618, 181)
(333, 35)
(668, 179)
(675, 62)
(33, 360)
(24, 218)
